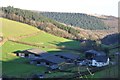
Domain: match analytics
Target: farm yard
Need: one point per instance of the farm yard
(14, 66)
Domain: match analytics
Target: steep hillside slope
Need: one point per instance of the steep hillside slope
(77, 19)
(12, 28)
(54, 27)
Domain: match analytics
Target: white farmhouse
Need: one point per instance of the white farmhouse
(97, 59)
(100, 61)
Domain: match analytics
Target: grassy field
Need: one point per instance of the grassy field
(58, 74)
(46, 39)
(14, 66)
(12, 28)
(107, 73)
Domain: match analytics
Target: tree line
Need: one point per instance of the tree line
(77, 19)
(42, 22)
(51, 26)
(39, 21)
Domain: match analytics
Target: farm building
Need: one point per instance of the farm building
(69, 57)
(96, 58)
(100, 61)
(91, 53)
(117, 53)
(31, 53)
(50, 61)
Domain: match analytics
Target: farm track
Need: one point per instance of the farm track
(2, 42)
(32, 44)
(27, 35)
(17, 38)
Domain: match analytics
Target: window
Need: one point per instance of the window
(95, 63)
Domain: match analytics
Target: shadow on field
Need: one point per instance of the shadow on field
(111, 39)
(88, 44)
(68, 45)
(20, 68)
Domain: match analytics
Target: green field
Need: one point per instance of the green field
(12, 28)
(48, 40)
(14, 66)
(107, 73)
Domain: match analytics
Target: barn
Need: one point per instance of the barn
(30, 53)
(69, 57)
(50, 61)
(100, 61)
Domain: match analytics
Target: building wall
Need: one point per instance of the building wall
(21, 54)
(99, 64)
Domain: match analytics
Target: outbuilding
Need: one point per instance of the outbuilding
(69, 57)
(30, 53)
(50, 61)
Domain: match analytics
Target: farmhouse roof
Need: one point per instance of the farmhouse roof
(68, 55)
(97, 53)
(100, 58)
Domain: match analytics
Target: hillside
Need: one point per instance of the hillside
(56, 28)
(77, 19)
(14, 66)
(12, 28)
(110, 21)
(111, 39)
(17, 67)
(25, 29)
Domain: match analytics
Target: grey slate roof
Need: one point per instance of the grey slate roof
(68, 55)
(46, 55)
(100, 58)
(54, 59)
(51, 58)
(95, 53)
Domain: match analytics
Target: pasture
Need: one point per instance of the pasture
(45, 39)
(14, 66)
(14, 29)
